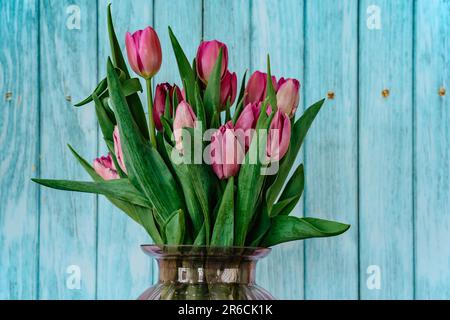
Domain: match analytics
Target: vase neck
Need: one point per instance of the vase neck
(206, 270)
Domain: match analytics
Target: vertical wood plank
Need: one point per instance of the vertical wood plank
(124, 271)
(68, 220)
(229, 22)
(277, 29)
(385, 146)
(432, 153)
(19, 138)
(187, 28)
(331, 269)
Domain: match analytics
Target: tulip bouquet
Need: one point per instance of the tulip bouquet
(211, 166)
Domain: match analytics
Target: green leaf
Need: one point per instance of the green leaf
(271, 95)
(200, 240)
(175, 228)
(291, 194)
(211, 99)
(242, 89)
(250, 181)
(186, 72)
(146, 169)
(260, 229)
(223, 233)
(116, 51)
(298, 134)
(120, 189)
(101, 87)
(238, 111)
(143, 216)
(104, 121)
(192, 203)
(201, 117)
(286, 228)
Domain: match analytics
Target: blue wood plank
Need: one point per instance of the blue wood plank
(432, 153)
(277, 29)
(19, 140)
(331, 269)
(124, 271)
(385, 146)
(68, 220)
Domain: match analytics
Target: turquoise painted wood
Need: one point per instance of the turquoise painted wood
(67, 264)
(123, 271)
(378, 162)
(331, 159)
(432, 153)
(19, 159)
(269, 22)
(385, 150)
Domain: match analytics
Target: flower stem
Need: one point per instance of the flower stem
(151, 121)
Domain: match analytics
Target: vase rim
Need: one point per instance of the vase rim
(178, 251)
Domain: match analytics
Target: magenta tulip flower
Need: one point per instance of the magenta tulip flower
(279, 136)
(247, 121)
(288, 96)
(159, 105)
(118, 149)
(207, 55)
(144, 52)
(255, 90)
(228, 89)
(104, 166)
(227, 153)
(184, 118)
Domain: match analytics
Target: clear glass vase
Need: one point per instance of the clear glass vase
(206, 273)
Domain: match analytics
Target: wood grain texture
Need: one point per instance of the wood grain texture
(277, 29)
(331, 269)
(68, 220)
(385, 150)
(432, 153)
(123, 270)
(19, 141)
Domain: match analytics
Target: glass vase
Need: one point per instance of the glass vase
(206, 273)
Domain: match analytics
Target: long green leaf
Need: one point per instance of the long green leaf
(186, 72)
(250, 182)
(104, 121)
(192, 203)
(291, 194)
(211, 99)
(223, 232)
(175, 228)
(298, 134)
(271, 95)
(286, 228)
(146, 169)
(143, 216)
(120, 189)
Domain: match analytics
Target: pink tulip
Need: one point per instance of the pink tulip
(104, 166)
(144, 52)
(184, 118)
(227, 152)
(255, 90)
(279, 136)
(159, 105)
(207, 54)
(228, 89)
(288, 96)
(247, 121)
(118, 149)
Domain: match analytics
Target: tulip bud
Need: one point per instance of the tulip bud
(256, 90)
(184, 118)
(227, 153)
(118, 149)
(104, 166)
(247, 121)
(228, 89)
(288, 96)
(159, 104)
(279, 136)
(207, 55)
(144, 52)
